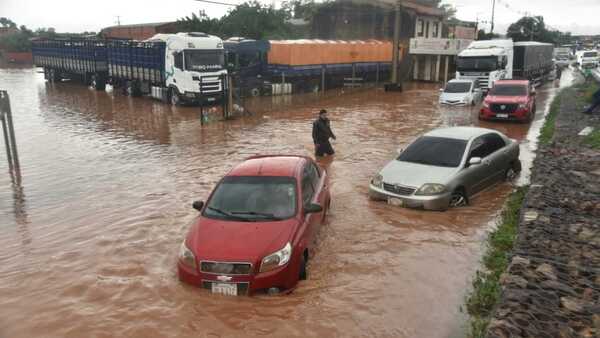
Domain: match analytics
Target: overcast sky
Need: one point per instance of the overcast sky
(576, 16)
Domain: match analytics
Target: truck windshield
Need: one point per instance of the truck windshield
(485, 63)
(458, 87)
(590, 54)
(204, 60)
(508, 90)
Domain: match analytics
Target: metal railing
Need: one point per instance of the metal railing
(9, 133)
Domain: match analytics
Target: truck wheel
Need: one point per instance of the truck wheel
(254, 92)
(98, 83)
(133, 89)
(174, 98)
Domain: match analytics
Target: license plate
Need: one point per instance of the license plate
(395, 201)
(211, 99)
(502, 116)
(224, 289)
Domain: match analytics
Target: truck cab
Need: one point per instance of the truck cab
(194, 67)
(486, 62)
(510, 100)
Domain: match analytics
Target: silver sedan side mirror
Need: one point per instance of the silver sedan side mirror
(475, 161)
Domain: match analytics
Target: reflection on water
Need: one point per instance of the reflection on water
(88, 240)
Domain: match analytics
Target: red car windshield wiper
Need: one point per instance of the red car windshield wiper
(230, 215)
(254, 213)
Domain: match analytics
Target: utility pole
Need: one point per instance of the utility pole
(118, 20)
(493, 13)
(395, 80)
(9, 133)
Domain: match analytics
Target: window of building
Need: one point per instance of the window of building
(420, 28)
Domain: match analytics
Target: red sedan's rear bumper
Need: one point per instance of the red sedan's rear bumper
(284, 278)
(521, 114)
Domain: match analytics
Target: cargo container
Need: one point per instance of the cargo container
(286, 66)
(533, 60)
(178, 68)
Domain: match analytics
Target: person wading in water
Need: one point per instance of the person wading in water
(321, 134)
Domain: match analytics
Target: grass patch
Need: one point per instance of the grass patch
(547, 131)
(593, 139)
(486, 285)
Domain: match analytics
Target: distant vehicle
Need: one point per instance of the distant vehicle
(460, 92)
(446, 167)
(258, 228)
(562, 56)
(491, 60)
(587, 58)
(183, 67)
(510, 100)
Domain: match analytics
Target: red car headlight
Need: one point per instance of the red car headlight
(186, 256)
(276, 259)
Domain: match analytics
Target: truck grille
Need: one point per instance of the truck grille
(398, 189)
(210, 85)
(503, 108)
(224, 268)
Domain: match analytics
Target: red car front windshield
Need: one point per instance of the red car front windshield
(508, 90)
(253, 199)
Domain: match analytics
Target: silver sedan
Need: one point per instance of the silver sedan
(446, 167)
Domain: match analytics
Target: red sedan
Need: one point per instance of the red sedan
(509, 100)
(257, 230)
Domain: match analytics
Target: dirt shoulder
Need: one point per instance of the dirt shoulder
(552, 285)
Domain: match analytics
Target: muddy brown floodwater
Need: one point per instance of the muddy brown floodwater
(89, 239)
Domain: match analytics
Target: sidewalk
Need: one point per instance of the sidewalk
(552, 286)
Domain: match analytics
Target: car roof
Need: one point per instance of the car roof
(461, 80)
(269, 165)
(460, 133)
(512, 82)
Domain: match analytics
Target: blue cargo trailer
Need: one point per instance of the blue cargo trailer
(178, 68)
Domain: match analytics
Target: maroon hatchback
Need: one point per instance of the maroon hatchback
(257, 230)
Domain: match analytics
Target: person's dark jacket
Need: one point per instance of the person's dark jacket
(321, 132)
(597, 95)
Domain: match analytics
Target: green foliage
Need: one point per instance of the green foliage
(482, 35)
(251, 20)
(16, 42)
(533, 28)
(486, 284)
(547, 131)
(7, 23)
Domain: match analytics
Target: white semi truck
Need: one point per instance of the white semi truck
(182, 67)
(491, 60)
(486, 62)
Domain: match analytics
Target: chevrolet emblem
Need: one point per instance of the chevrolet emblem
(224, 278)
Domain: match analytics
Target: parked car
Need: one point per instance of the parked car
(446, 167)
(510, 100)
(257, 230)
(460, 92)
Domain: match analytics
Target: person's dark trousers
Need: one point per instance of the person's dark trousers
(593, 107)
(324, 148)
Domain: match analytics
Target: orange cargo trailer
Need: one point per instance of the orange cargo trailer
(321, 52)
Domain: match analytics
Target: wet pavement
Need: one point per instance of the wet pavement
(89, 239)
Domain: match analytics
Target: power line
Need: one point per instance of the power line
(218, 3)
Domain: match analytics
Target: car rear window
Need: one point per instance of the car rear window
(509, 90)
(435, 151)
(253, 198)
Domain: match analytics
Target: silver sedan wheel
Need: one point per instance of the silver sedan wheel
(458, 199)
(510, 175)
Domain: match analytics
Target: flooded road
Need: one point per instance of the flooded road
(89, 239)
